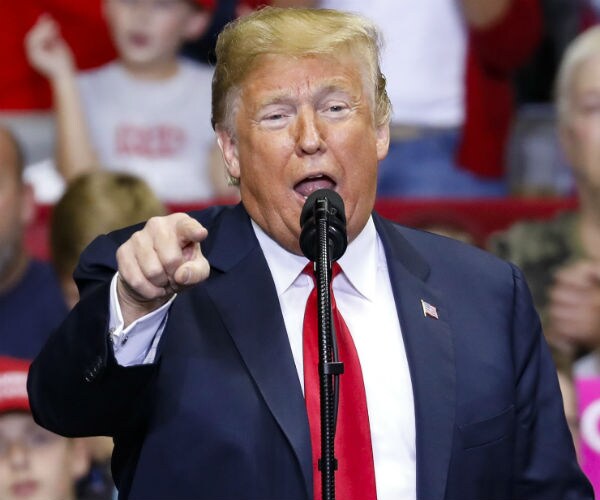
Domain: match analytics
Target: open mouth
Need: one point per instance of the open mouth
(139, 39)
(24, 489)
(310, 184)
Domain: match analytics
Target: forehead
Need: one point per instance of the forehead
(277, 76)
(587, 74)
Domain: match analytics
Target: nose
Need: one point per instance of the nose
(17, 456)
(309, 134)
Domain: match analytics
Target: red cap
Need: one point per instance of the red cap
(13, 384)
(206, 4)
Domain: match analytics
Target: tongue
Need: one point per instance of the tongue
(308, 186)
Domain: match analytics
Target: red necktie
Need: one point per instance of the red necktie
(355, 476)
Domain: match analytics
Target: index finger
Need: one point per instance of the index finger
(189, 230)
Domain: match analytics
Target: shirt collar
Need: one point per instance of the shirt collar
(359, 262)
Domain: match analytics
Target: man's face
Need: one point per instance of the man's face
(36, 464)
(300, 125)
(580, 132)
(149, 32)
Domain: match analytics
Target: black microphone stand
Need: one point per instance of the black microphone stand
(329, 366)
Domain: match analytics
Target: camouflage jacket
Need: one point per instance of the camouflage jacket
(539, 249)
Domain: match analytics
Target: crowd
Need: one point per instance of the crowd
(110, 133)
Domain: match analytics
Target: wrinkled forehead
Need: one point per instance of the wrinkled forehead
(280, 78)
(264, 74)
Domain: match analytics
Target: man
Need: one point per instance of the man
(450, 67)
(202, 390)
(31, 303)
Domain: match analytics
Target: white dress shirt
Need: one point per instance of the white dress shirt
(364, 297)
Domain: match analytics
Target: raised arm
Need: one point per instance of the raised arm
(503, 33)
(49, 54)
(480, 14)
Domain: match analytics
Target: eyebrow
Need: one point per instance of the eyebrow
(285, 97)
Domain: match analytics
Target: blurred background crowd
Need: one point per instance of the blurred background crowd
(105, 121)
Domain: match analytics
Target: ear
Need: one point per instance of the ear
(70, 291)
(197, 24)
(229, 150)
(382, 138)
(79, 459)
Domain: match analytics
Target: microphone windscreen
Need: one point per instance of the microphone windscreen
(336, 216)
(335, 201)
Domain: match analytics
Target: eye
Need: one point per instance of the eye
(336, 109)
(39, 437)
(274, 116)
(590, 108)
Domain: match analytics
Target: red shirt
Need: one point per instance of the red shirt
(82, 26)
(492, 57)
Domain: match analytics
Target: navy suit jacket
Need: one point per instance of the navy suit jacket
(221, 415)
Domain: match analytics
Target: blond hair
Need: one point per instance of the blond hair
(582, 48)
(294, 33)
(93, 204)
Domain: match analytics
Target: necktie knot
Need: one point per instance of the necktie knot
(309, 270)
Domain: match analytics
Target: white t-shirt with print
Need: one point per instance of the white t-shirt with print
(159, 131)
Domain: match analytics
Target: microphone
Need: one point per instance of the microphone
(323, 205)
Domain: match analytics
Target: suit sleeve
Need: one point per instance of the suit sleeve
(76, 387)
(545, 462)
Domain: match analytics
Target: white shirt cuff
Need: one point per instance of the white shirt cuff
(137, 343)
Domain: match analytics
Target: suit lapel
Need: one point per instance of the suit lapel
(245, 296)
(428, 344)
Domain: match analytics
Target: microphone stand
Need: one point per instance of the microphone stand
(329, 366)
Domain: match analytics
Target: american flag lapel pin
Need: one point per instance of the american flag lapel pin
(429, 310)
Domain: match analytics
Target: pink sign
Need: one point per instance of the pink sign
(588, 394)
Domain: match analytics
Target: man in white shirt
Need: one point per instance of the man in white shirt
(186, 345)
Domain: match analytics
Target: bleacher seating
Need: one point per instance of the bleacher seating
(479, 217)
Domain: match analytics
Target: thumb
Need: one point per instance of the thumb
(192, 272)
